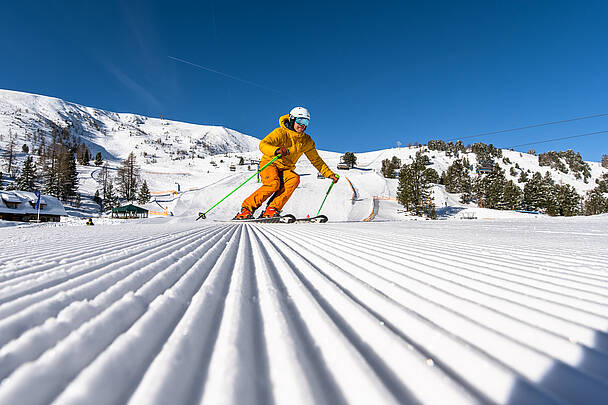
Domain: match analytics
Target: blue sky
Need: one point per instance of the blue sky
(371, 73)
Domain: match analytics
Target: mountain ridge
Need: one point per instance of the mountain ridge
(28, 116)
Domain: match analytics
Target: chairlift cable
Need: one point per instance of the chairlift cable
(529, 126)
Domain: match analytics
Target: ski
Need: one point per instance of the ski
(315, 220)
(285, 219)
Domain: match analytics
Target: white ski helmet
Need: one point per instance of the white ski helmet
(299, 112)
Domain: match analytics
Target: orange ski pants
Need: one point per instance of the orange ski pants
(278, 183)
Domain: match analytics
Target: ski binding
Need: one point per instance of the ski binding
(317, 219)
(285, 219)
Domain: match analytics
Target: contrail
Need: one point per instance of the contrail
(225, 74)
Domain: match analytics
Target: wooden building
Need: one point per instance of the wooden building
(17, 205)
(129, 211)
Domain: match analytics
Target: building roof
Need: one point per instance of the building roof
(10, 197)
(130, 208)
(26, 201)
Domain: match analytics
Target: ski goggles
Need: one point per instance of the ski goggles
(303, 121)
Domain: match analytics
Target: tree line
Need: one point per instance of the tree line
(492, 189)
(52, 168)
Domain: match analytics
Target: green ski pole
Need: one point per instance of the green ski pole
(203, 215)
(326, 194)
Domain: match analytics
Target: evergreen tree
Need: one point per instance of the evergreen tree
(568, 200)
(350, 159)
(27, 179)
(456, 178)
(550, 202)
(110, 199)
(128, 178)
(98, 200)
(602, 183)
(25, 149)
(98, 159)
(51, 185)
(512, 196)
(595, 203)
(534, 193)
(405, 193)
(396, 162)
(486, 153)
(72, 186)
(387, 169)
(144, 193)
(605, 161)
(414, 190)
(576, 164)
(490, 188)
(83, 155)
(390, 166)
(467, 191)
(67, 175)
(431, 175)
(1, 187)
(523, 177)
(423, 159)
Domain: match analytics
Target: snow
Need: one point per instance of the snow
(171, 310)
(508, 307)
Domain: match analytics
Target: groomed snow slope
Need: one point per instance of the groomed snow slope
(171, 311)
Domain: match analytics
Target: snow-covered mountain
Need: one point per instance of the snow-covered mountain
(115, 135)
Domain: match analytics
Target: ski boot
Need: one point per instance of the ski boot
(244, 214)
(271, 212)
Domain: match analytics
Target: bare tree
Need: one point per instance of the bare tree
(128, 178)
(103, 179)
(10, 153)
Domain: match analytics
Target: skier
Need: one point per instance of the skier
(279, 180)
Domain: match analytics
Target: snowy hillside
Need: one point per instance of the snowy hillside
(115, 135)
(172, 311)
(188, 167)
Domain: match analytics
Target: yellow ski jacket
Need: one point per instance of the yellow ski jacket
(297, 144)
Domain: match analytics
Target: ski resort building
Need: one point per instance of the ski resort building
(16, 205)
(484, 167)
(129, 211)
